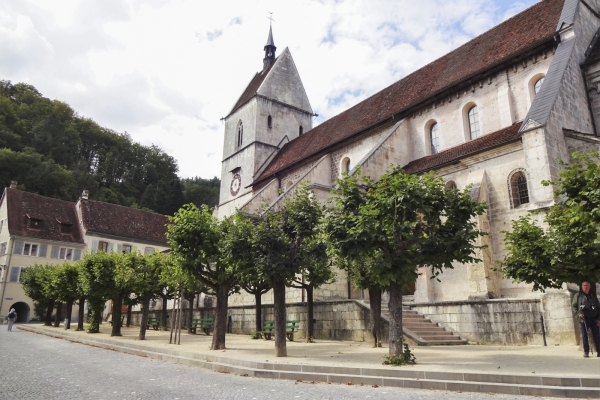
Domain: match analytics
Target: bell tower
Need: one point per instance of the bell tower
(272, 110)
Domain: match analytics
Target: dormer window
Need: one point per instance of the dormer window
(35, 223)
(65, 228)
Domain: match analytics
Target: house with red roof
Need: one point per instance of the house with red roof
(497, 114)
(35, 229)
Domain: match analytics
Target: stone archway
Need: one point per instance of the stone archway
(22, 310)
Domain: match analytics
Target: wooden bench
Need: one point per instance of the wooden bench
(122, 319)
(153, 322)
(290, 327)
(203, 323)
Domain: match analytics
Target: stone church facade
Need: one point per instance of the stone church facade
(497, 113)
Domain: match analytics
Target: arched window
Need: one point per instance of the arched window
(434, 137)
(346, 165)
(269, 122)
(474, 122)
(518, 189)
(538, 85)
(300, 130)
(450, 185)
(240, 134)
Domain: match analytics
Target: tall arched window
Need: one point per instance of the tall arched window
(240, 134)
(474, 122)
(300, 130)
(269, 122)
(538, 85)
(434, 137)
(518, 189)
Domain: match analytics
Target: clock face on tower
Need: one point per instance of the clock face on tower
(236, 183)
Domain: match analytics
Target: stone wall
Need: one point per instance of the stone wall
(505, 321)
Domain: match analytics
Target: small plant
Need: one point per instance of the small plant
(406, 358)
(255, 335)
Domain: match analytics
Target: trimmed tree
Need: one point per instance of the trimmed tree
(146, 282)
(36, 282)
(68, 288)
(197, 242)
(412, 221)
(568, 251)
(98, 283)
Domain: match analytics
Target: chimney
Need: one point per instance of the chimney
(85, 194)
(13, 184)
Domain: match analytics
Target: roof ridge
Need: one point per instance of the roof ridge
(120, 205)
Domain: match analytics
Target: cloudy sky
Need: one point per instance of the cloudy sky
(166, 71)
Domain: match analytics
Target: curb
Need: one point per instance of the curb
(549, 386)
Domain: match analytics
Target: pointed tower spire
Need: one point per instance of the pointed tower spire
(269, 47)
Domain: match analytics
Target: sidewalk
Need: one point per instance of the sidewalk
(558, 371)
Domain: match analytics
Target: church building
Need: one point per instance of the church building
(498, 114)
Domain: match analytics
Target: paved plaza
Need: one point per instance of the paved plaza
(34, 365)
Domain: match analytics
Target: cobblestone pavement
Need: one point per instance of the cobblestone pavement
(37, 367)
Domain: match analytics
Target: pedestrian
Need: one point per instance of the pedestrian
(12, 317)
(587, 309)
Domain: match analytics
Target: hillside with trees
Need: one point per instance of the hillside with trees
(51, 150)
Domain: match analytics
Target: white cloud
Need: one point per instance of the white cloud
(166, 71)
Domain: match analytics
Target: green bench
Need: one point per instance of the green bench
(290, 328)
(201, 323)
(153, 322)
(122, 319)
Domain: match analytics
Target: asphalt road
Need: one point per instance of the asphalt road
(38, 367)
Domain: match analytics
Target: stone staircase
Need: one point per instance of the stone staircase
(422, 330)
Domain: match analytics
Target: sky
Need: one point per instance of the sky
(167, 71)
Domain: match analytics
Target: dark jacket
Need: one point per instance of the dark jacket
(578, 302)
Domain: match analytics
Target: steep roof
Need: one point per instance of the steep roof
(528, 29)
(112, 219)
(24, 206)
(453, 154)
(252, 88)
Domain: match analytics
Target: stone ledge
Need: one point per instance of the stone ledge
(472, 302)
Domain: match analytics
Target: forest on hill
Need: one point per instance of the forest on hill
(51, 150)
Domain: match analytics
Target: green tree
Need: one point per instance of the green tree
(196, 239)
(569, 249)
(37, 285)
(201, 191)
(67, 284)
(412, 221)
(98, 284)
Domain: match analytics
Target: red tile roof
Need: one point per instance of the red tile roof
(252, 88)
(23, 206)
(453, 154)
(112, 219)
(530, 28)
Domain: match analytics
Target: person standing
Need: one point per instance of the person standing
(586, 308)
(12, 317)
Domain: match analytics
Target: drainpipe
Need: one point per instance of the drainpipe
(12, 245)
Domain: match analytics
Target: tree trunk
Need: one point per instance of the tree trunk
(190, 313)
(58, 314)
(163, 313)
(395, 306)
(49, 310)
(69, 313)
(279, 317)
(80, 315)
(129, 310)
(258, 311)
(145, 312)
(310, 330)
(220, 326)
(375, 315)
(116, 315)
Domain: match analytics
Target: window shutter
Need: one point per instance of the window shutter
(94, 245)
(76, 254)
(14, 274)
(43, 250)
(18, 249)
(54, 252)
(119, 248)
(111, 246)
